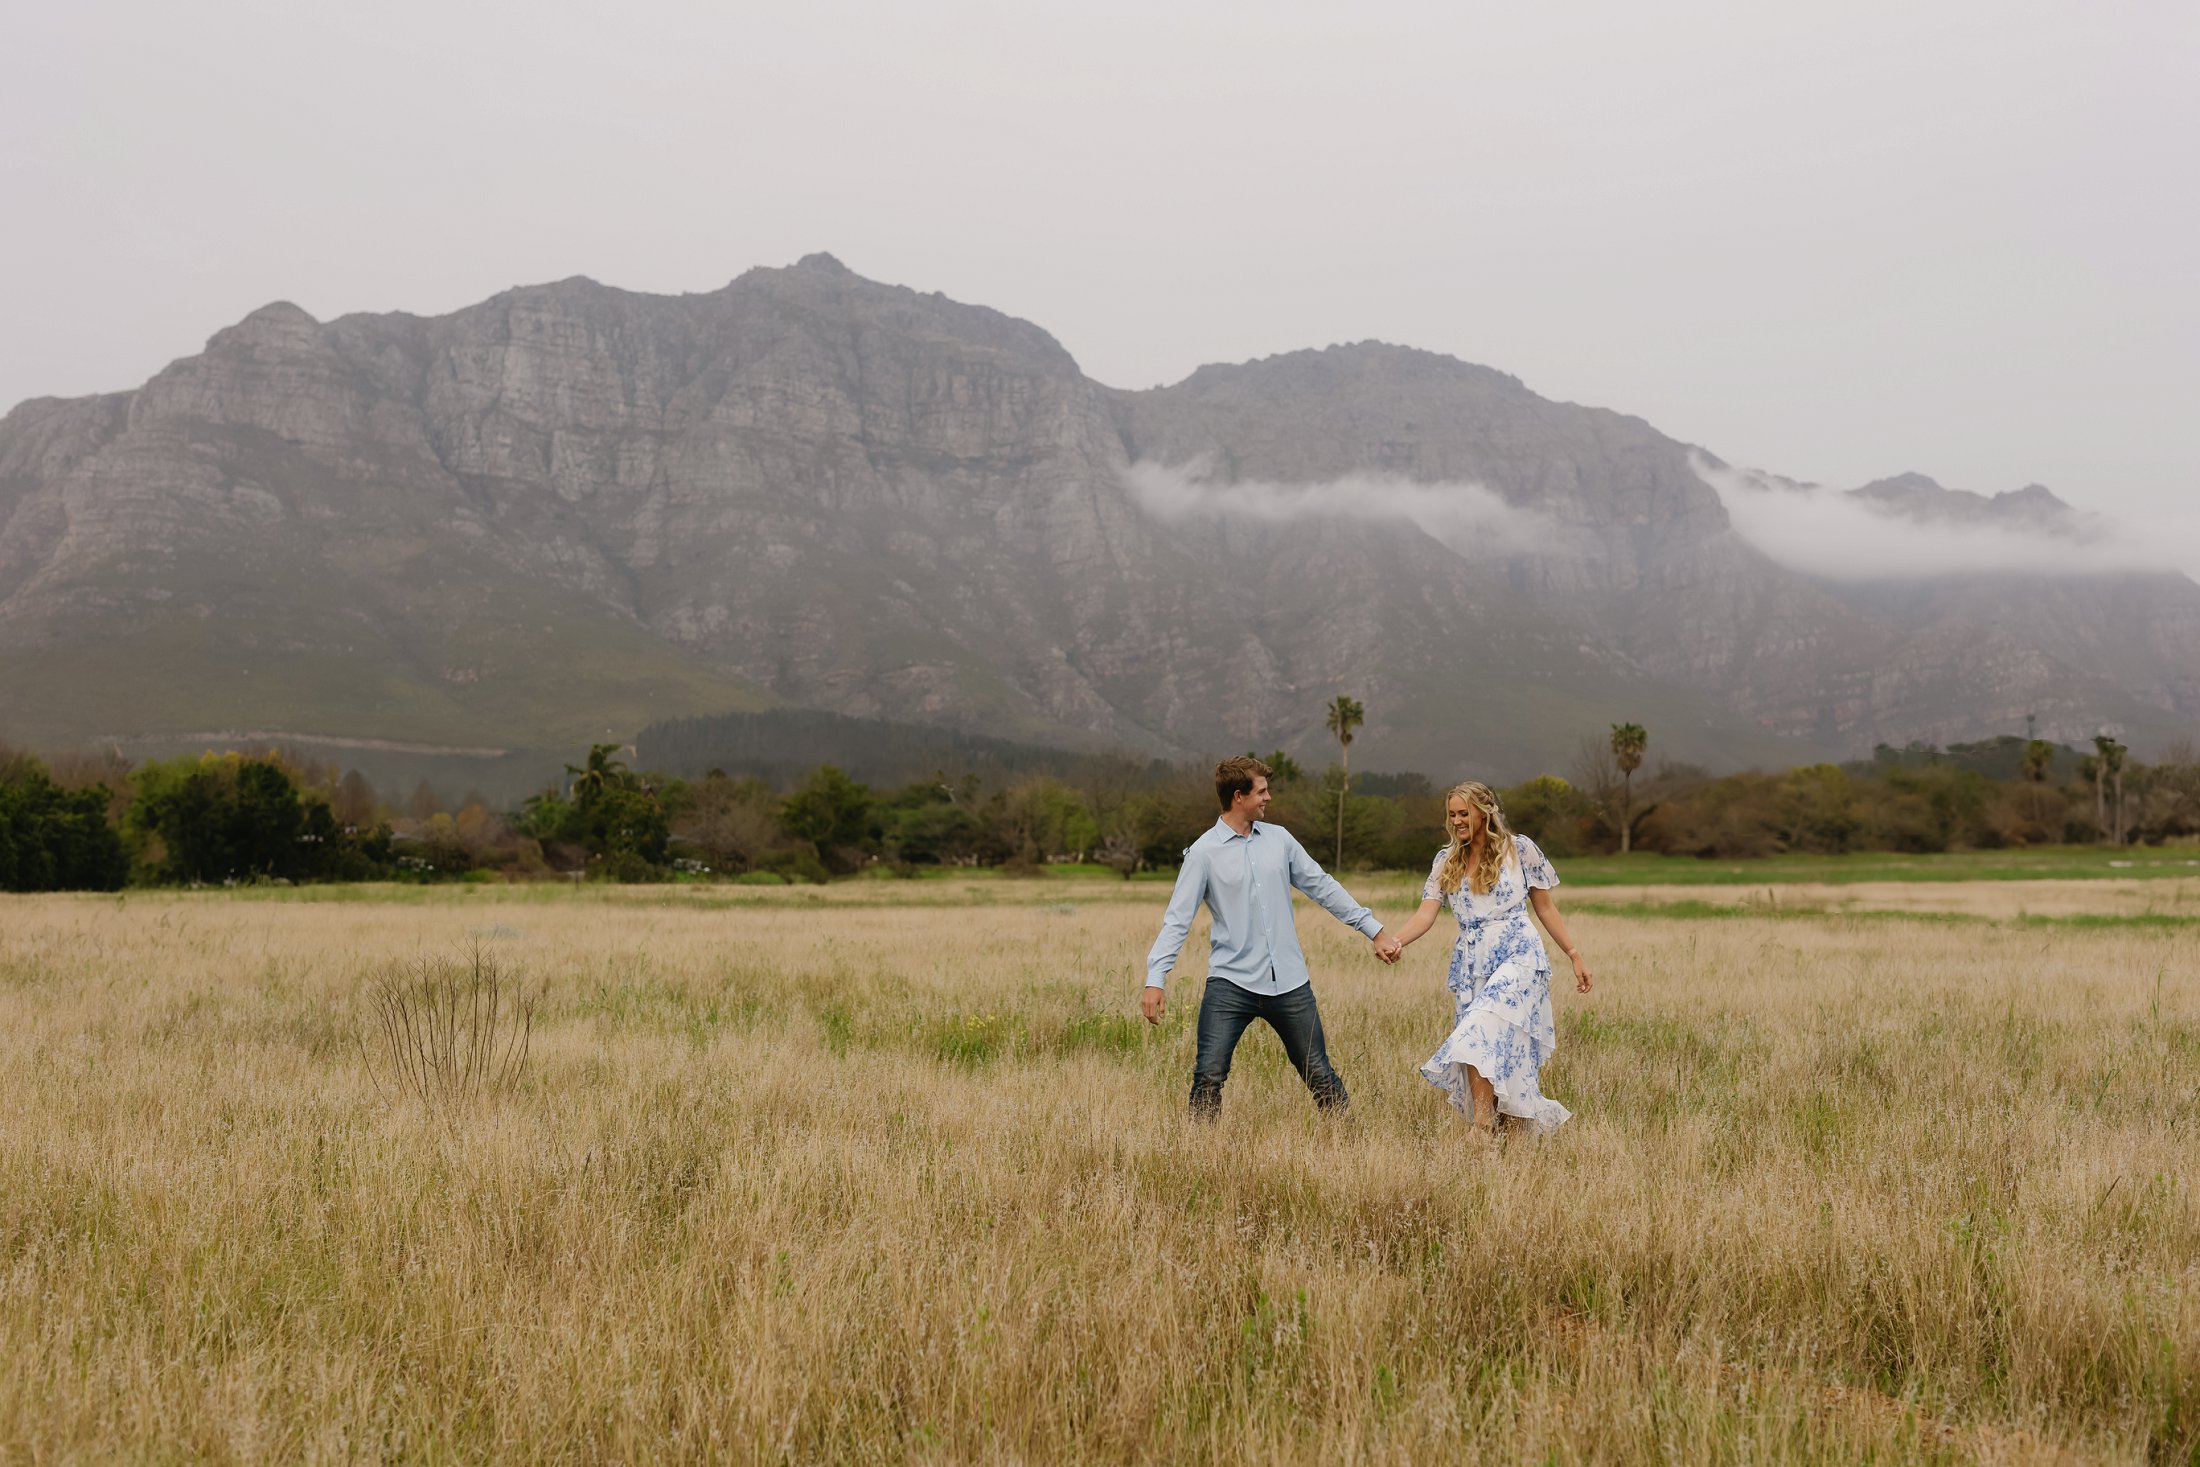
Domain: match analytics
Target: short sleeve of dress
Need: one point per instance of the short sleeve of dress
(1429, 893)
(1534, 865)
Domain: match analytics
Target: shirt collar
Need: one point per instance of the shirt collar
(1229, 834)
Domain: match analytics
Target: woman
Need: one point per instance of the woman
(1500, 974)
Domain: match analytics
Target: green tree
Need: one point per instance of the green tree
(55, 839)
(1122, 832)
(622, 823)
(2035, 807)
(1937, 807)
(1549, 811)
(1167, 821)
(545, 816)
(1817, 810)
(729, 823)
(1628, 742)
(2108, 770)
(923, 826)
(2038, 759)
(1043, 817)
(599, 770)
(1282, 768)
(222, 818)
(334, 851)
(1344, 718)
(830, 811)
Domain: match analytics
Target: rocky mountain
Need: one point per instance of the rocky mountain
(1919, 498)
(570, 510)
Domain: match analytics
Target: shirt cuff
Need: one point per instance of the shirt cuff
(1370, 926)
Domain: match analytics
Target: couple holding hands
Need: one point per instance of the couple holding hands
(1244, 870)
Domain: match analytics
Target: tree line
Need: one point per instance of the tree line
(1988, 794)
(99, 823)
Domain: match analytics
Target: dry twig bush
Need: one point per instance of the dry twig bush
(446, 1031)
(889, 1173)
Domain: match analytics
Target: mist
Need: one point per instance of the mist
(1833, 534)
(1470, 519)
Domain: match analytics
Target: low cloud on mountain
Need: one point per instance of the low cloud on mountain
(1843, 536)
(1469, 518)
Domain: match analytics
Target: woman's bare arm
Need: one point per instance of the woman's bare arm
(1420, 922)
(1546, 911)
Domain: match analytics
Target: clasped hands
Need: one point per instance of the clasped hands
(1388, 946)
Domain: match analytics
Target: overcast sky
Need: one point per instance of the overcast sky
(1836, 241)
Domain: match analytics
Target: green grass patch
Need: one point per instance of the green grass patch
(2106, 920)
(974, 1040)
(2031, 863)
(1684, 909)
(975, 886)
(1688, 910)
(1058, 871)
(1104, 1033)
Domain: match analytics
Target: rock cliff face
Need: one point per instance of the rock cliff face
(570, 509)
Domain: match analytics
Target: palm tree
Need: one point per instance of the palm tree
(1628, 742)
(2039, 757)
(601, 770)
(2108, 767)
(1345, 715)
(2036, 762)
(2116, 789)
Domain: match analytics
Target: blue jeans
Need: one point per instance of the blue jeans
(1226, 1011)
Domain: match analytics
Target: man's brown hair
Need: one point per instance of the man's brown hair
(1234, 777)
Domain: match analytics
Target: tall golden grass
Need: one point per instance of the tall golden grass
(895, 1175)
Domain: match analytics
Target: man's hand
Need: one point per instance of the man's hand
(1387, 946)
(1153, 1003)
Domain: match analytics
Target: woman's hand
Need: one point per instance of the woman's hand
(1584, 980)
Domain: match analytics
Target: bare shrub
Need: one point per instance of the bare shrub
(448, 1030)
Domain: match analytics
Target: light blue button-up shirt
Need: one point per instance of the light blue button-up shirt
(1246, 882)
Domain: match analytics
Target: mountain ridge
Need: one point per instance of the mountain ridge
(569, 510)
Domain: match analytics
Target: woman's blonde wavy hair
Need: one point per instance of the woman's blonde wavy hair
(1497, 845)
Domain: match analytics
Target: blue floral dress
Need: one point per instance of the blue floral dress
(1500, 982)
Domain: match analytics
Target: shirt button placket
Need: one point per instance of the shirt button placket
(1260, 915)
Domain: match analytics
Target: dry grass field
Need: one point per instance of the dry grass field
(887, 1172)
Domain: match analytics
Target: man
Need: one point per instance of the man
(1244, 870)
